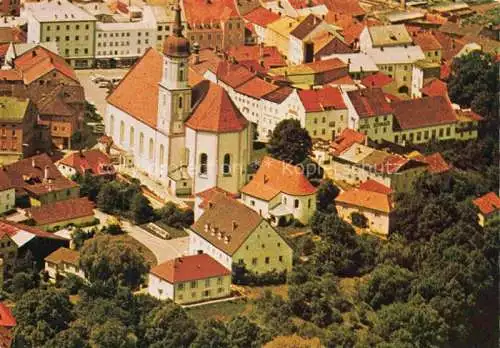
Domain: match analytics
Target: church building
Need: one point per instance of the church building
(189, 138)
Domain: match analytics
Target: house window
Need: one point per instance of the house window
(280, 258)
(226, 169)
(296, 203)
(162, 154)
(141, 143)
(219, 281)
(203, 164)
(131, 136)
(122, 132)
(180, 286)
(193, 284)
(207, 282)
(254, 261)
(180, 102)
(448, 131)
(267, 260)
(151, 149)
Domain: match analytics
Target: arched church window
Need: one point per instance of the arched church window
(181, 75)
(141, 143)
(131, 136)
(162, 154)
(203, 164)
(180, 102)
(111, 125)
(151, 149)
(226, 168)
(122, 131)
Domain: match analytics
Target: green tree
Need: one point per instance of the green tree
(168, 326)
(212, 334)
(108, 198)
(340, 336)
(112, 334)
(141, 209)
(176, 217)
(387, 283)
(40, 315)
(325, 197)
(415, 322)
(90, 185)
(69, 338)
(290, 142)
(103, 258)
(243, 333)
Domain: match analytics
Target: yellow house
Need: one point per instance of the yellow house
(190, 279)
(7, 193)
(488, 206)
(467, 125)
(232, 233)
(278, 33)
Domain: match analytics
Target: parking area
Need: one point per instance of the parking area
(94, 83)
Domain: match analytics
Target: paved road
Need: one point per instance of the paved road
(161, 248)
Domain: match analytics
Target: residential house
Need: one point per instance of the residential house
(488, 206)
(467, 124)
(164, 17)
(230, 232)
(418, 121)
(93, 162)
(53, 86)
(38, 179)
(63, 262)
(7, 325)
(202, 199)
(280, 191)
(7, 193)
(189, 279)
(360, 64)
(278, 33)
(259, 57)
(358, 162)
(436, 163)
(378, 80)
(301, 46)
(371, 200)
(370, 113)
(326, 113)
(57, 215)
(18, 239)
(260, 18)
(215, 24)
(10, 8)
(429, 44)
(18, 117)
(312, 74)
(65, 23)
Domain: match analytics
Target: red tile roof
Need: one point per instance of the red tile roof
(349, 7)
(468, 115)
(487, 204)
(345, 140)
(270, 55)
(326, 45)
(11, 75)
(435, 87)
(322, 99)
(436, 163)
(344, 80)
(369, 102)
(279, 95)
(366, 199)
(325, 65)
(39, 61)
(94, 162)
(202, 11)
(375, 186)
(426, 41)
(6, 317)
(256, 88)
(352, 32)
(188, 268)
(210, 194)
(424, 112)
(137, 93)
(233, 75)
(214, 111)
(274, 177)
(376, 80)
(450, 46)
(29, 174)
(61, 211)
(261, 16)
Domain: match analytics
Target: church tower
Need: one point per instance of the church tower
(175, 94)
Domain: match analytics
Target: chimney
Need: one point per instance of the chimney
(210, 204)
(46, 173)
(235, 225)
(33, 53)
(33, 163)
(80, 152)
(266, 179)
(206, 228)
(227, 239)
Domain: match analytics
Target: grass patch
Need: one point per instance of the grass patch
(223, 311)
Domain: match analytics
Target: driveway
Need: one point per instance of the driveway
(163, 249)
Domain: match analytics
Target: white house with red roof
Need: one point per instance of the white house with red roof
(93, 162)
(190, 279)
(182, 136)
(280, 191)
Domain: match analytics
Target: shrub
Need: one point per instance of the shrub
(359, 220)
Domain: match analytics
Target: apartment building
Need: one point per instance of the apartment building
(72, 28)
(164, 18)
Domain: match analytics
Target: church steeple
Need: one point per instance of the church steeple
(176, 45)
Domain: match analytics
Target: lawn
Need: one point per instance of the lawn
(221, 311)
